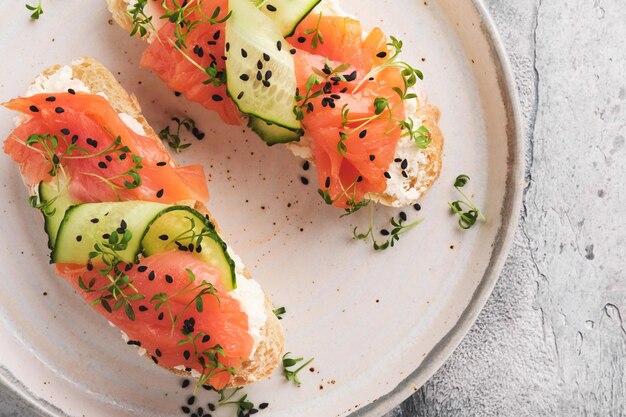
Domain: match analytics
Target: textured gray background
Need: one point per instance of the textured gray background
(551, 340)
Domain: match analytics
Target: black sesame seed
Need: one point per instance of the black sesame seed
(292, 51)
(227, 46)
(216, 35)
(397, 160)
(34, 109)
(359, 179)
(159, 193)
(187, 354)
(306, 165)
(55, 159)
(363, 133)
(372, 157)
(259, 76)
(102, 165)
(65, 131)
(108, 158)
(304, 180)
(240, 95)
(253, 411)
(200, 411)
(191, 400)
(59, 110)
(71, 91)
(74, 138)
(185, 383)
(151, 276)
(79, 238)
(185, 409)
(244, 53)
(279, 45)
(89, 266)
(177, 93)
(106, 236)
(160, 316)
(244, 77)
(169, 278)
(217, 97)
(327, 183)
(164, 237)
(404, 174)
(95, 220)
(403, 216)
(387, 175)
(123, 224)
(144, 308)
(133, 343)
(157, 351)
(384, 232)
(266, 84)
(381, 54)
(91, 142)
(301, 39)
(142, 268)
(211, 406)
(268, 74)
(259, 64)
(263, 406)
(198, 51)
(266, 57)
(206, 338)
(51, 99)
(128, 267)
(161, 164)
(404, 164)
(211, 43)
(417, 207)
(155, 360)
(271, 8)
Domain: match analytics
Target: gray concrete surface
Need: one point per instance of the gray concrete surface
(551, 340)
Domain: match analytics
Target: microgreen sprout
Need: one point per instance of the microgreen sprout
(467, 211)
(317, 34)
(278, 312)
(120, 290)
(173, 139)
(36, 10)
(292, 375)
(398, 228)
(420, 136)
(198, 290)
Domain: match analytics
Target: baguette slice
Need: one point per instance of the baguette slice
(271, 347)
(406, 191)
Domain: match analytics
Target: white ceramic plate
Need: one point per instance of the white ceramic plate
(378, 324)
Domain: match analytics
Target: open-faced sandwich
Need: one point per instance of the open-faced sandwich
(303, 74)
(128, 230)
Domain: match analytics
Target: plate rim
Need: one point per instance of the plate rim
(510, 216)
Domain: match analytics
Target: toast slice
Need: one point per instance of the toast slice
(98, 79)
(405, 190)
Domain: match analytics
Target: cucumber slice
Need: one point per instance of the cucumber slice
(271, 133)
(287, 14)
(55, 200)
(155, 227)
(175, 227)
(256, 49)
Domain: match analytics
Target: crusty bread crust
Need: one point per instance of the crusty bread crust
(428, 114)
(271, 347)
